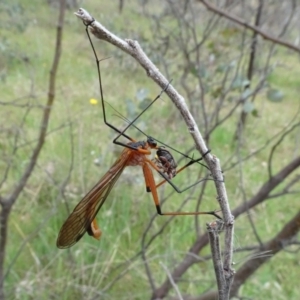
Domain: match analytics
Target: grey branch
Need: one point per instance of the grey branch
(134, 49)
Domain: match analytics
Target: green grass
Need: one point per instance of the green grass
(40, 270)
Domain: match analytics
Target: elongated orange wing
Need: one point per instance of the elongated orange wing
(86, 210)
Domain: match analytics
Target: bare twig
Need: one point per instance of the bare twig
(8, 202)
(242, 120)
(172, 281)
(253, 50)
(242, 187)
(202, 241)
(277, 144)
(134, 49)
(275, 245)
(243, 23)
(213, 234)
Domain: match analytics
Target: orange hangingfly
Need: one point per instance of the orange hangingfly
(135, 153)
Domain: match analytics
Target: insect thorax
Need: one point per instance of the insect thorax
(137, 158)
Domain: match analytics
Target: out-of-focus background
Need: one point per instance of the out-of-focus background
(243, 91)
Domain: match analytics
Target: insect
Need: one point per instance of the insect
(165, 162)
(135, 153)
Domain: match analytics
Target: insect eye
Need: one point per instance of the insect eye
(151, 141)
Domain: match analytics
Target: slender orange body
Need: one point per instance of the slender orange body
(82, 219)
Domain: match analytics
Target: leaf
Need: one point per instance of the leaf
(222, 68)
(130, 108)
(201, 72)
(275, 95)
(228, 33)
(240, 83)
(255, 113)
(193, 71)
(247, 92)
(217, 92)
(248, 107)
(231, 98)
(144, 103)
(141, 94)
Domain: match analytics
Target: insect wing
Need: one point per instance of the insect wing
(86, 210)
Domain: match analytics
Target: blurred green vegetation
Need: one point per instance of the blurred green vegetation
(77, 135)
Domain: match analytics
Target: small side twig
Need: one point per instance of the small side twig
(172, 281)
(213, 230)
